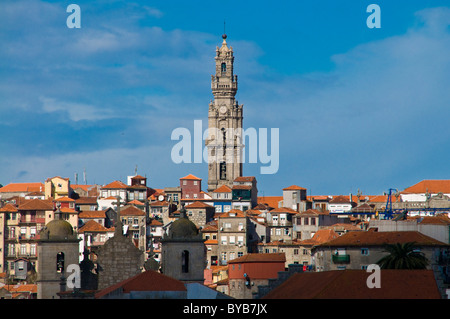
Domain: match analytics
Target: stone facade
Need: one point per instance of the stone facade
(118, 259)
(224, 123)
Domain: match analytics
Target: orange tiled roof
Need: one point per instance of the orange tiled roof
(131, 211)
(136, 202)
(146, 281)
(432, 186)
(283, 210)
(37, 204)
(272, 201)
(222, 189)
(31, 288)
(199, 204)
(293, 188)
(92, 214)
(244, 179)
(64, 199)
(375, 238)
(237, 212)
(115, 185)
(352, 284)
(190, 176)
(340, 199)
(320, 237)
(9, 208)
(86, 200)
(312, 212)
(22, 187)
(258, 258)
(93, 226)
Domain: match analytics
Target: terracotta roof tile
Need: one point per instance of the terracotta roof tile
(190, 176)
(432, 186)
(272, 201)
(199, 204)
(375, 238)
(352, 284)
(9, 208)
(222, 189)
(293, 188)
(115, 185)
(93, 226)
(244, 179)
(132, 211)
(258, 258)
(92, 214)
(22, 187)
(37, 204)
(146, 281)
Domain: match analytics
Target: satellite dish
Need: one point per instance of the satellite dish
(161, 198)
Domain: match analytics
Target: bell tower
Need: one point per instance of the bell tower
(224, 123)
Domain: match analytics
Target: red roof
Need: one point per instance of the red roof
(244, 179)
(432, 186)
(115, 185)
(146, 281)
(37, 204)
(293, 188)
(9, 208)
(92, 214)
(352, 284)
(22, 187)
(375, 238)
(222, 189)
(259, 258)
(93, 226)
(199, 204)
(190, 176)
(132, 211)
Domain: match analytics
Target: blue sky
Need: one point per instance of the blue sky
(356, 108)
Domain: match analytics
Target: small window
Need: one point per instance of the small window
(185, 261)
(223, 67)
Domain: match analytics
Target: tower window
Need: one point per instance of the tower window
(185, 261)
(224, 67)
(60, 262)
(223, 171)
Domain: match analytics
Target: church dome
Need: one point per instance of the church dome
(57, 229)
(183, 227)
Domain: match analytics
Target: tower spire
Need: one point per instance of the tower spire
(224, 122)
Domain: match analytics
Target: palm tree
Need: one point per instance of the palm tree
(403, 256)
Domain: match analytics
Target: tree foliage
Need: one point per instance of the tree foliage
(403, 256)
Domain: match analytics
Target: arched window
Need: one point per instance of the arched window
(185, 261)
(60, 262)
(224, 67)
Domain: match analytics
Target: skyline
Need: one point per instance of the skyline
(356, 108)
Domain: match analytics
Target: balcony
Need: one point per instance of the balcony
(341, 259)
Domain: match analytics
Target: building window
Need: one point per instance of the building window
(223, 67)
(365, 251)
(296, 251)
(185, 261)
(306, 221)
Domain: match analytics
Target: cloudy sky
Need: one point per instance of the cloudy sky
(356, 108)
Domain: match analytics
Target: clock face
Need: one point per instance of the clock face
(223, 109)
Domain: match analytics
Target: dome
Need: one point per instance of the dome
(57, 229)
(183, 228)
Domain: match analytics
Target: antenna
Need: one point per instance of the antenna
(224, 27)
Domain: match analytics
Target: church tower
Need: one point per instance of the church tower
(224, 123)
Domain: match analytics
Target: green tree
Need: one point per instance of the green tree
(403, 256)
